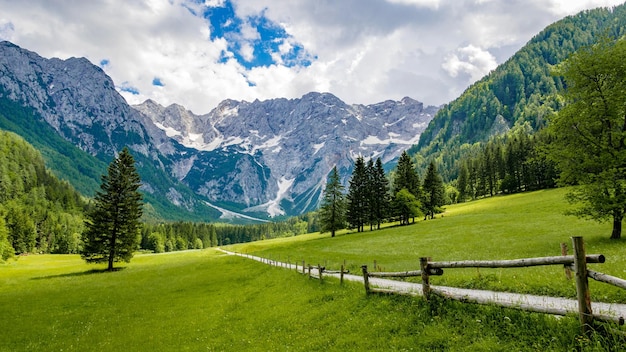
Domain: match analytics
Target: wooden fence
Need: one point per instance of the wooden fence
(576, 263)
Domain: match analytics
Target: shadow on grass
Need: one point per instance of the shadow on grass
(82, 273)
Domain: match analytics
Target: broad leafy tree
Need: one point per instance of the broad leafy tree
(589, 133)
(112, 227)
(407, 206)
(333, 208)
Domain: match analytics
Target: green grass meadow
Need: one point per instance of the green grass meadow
(208, 301)
(505, 227)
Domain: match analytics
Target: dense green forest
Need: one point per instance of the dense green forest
(174, 236)
(522, 91)
(512, 163)
(38, 213)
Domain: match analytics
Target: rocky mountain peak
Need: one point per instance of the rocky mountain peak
(290, 145)
(265, 158)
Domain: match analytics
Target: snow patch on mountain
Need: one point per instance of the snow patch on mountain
(290, 145)
(273, 207)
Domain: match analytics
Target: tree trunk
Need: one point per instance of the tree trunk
(112, 250)
(617, 227)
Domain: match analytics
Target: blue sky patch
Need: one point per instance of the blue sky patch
(126, 87)
(156, 81)
(104, 62)
(250, 49)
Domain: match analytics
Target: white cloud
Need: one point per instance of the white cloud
(419, 3)
(366, 50)
(470, 60)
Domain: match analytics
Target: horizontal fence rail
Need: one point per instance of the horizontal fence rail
(576, 263)
(514, 263)
(431, 271)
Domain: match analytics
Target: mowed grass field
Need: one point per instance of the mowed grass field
(207, 301)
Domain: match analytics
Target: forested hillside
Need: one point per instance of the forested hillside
(521, 91)
(38, 213)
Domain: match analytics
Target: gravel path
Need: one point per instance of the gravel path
(544, 304)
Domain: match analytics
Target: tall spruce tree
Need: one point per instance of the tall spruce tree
(112, 225)
(379, 193)
(434, 191)
(462, 182)
(333, 209)
(405, 177)
(357, 196)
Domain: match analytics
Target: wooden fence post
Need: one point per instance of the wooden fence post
(425, 277)
(319, 272)
(582, 285)
(341, 275)
(366, 280)
(303, 268)
(568, 271)
(309, 271)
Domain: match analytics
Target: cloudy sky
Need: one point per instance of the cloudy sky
(198, 53)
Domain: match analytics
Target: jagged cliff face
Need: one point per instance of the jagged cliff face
(263, 157)
(286, 148)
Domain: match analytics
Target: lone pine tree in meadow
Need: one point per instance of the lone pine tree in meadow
(333, 209)
(112, 225)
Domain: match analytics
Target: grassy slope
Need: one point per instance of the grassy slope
(507, 227)
(202, 300)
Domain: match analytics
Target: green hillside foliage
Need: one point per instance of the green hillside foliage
(521, 91)
(64, 159)
(38, 212)
(511, 163)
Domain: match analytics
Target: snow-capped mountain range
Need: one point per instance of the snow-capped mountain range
(263, 158)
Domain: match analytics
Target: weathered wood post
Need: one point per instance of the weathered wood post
(341, 275)
(568, 271)
(582, 285)
(425, 277)
(319, 272)
(309, 271)
(303, 268)
(366, 280)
